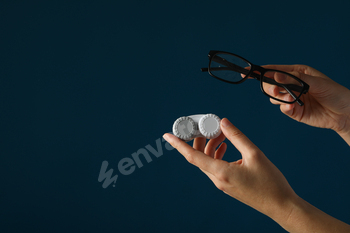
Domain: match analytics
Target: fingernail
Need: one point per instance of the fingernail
(166, 137)
(225, 122)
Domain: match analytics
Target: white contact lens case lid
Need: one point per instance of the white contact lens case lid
(184, 128)
(209, 126)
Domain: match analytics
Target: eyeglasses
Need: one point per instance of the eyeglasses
(276, 84)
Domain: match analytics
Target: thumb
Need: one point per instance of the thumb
(237, 138)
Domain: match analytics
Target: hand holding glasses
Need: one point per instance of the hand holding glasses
(276, 84)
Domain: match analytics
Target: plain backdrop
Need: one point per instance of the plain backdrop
(82, 82)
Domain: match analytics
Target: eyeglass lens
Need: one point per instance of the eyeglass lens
(281, 86)
(228, 67)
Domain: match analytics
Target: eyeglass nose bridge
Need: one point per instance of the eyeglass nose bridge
(252, 72)
(212, 52)
(260, 69)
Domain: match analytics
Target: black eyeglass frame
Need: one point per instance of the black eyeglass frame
(303, 89)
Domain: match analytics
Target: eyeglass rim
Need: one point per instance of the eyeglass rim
(212, 53)
(293, 76)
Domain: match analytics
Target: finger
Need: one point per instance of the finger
(287, 109)
(285, 68)
(213, 144)
(302, 69)
(199, 144)
(219, 153)
(275, 102)
(274, 91)
(194, 156)
(237, 138)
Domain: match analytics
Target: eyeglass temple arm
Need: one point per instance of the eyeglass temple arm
(292, 87)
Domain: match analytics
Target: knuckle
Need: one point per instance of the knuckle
(174, 144)
(300, 68)
(190, 158)
(221, 187)
(255, 155)
(236, 134)
(223, 177)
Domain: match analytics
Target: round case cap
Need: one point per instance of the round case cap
(184, 128)
(209, 126)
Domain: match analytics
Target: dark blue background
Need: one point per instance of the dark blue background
(82, 82)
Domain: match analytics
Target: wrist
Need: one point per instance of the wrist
(304, 217)
(297, 209)
(285, 212)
